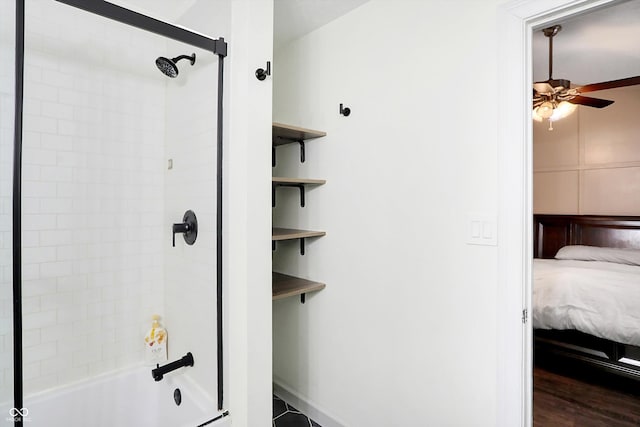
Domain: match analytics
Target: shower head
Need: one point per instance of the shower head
(169, 67)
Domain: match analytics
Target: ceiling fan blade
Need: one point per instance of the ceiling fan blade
(590, 102)
(543, 87)
(629, 81)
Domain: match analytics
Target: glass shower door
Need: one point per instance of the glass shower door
(115, 152)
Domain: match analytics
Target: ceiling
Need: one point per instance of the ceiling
(294, 18)
(591, 48)
(594, 47)
(291, 18)
(165, 10)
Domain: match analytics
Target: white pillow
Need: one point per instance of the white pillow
(595, 253)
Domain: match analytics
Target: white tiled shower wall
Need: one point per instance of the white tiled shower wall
(190, 289)
(93, 194)
(191, 133)
(98, 198)
(7, 41)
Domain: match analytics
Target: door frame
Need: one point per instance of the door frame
(518, 19)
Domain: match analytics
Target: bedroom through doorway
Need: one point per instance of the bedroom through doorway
(586, 218)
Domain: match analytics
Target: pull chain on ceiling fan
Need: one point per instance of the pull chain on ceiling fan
(555, 99)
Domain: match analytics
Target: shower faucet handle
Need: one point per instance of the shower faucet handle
(188, 228)
(181, 227)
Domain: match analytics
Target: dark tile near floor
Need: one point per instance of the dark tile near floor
(279, 407)
(285, 415)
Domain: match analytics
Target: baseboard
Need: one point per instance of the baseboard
(304, 406)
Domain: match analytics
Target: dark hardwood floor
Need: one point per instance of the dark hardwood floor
(583, 400)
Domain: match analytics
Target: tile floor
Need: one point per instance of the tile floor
(285, 415)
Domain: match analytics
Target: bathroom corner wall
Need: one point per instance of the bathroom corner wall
(247, 296)
(387, 341)
(93, 194)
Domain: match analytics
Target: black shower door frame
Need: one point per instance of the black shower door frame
(126, 16)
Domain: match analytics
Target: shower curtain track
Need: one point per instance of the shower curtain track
(126, 16)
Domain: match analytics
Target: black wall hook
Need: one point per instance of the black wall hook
(345, 111)
(262, 74)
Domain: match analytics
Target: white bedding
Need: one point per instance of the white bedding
(598, 298)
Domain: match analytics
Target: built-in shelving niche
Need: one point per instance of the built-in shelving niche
(284, 285)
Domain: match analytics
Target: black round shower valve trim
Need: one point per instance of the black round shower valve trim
(188, 227)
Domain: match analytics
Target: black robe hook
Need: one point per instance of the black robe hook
(262, 74)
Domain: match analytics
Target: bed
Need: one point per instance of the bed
(586, 306)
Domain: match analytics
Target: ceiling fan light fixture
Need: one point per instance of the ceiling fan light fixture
(553, 111)
(544, 111)
(564, 109)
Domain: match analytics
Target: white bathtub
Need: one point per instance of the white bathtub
(125, 399)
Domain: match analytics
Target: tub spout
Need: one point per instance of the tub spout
(159, 371)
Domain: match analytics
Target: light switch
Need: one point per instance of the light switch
(487, 230)
(482, 229)
(476, 226)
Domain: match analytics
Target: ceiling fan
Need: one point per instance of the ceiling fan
(554, 99)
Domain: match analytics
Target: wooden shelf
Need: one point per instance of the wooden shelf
(287, 286)
(286, 134)
(283, 285)
(298, 183)
(281, 180)
(292, 234)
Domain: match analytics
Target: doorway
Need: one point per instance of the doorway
(515, 147)
(580, 169)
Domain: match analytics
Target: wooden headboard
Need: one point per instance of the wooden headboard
(551, 232)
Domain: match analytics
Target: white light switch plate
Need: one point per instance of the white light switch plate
(482, 229)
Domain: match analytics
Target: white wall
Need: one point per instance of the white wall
(405, 331)
(247, 215)
(590, 162)
(93, 194)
